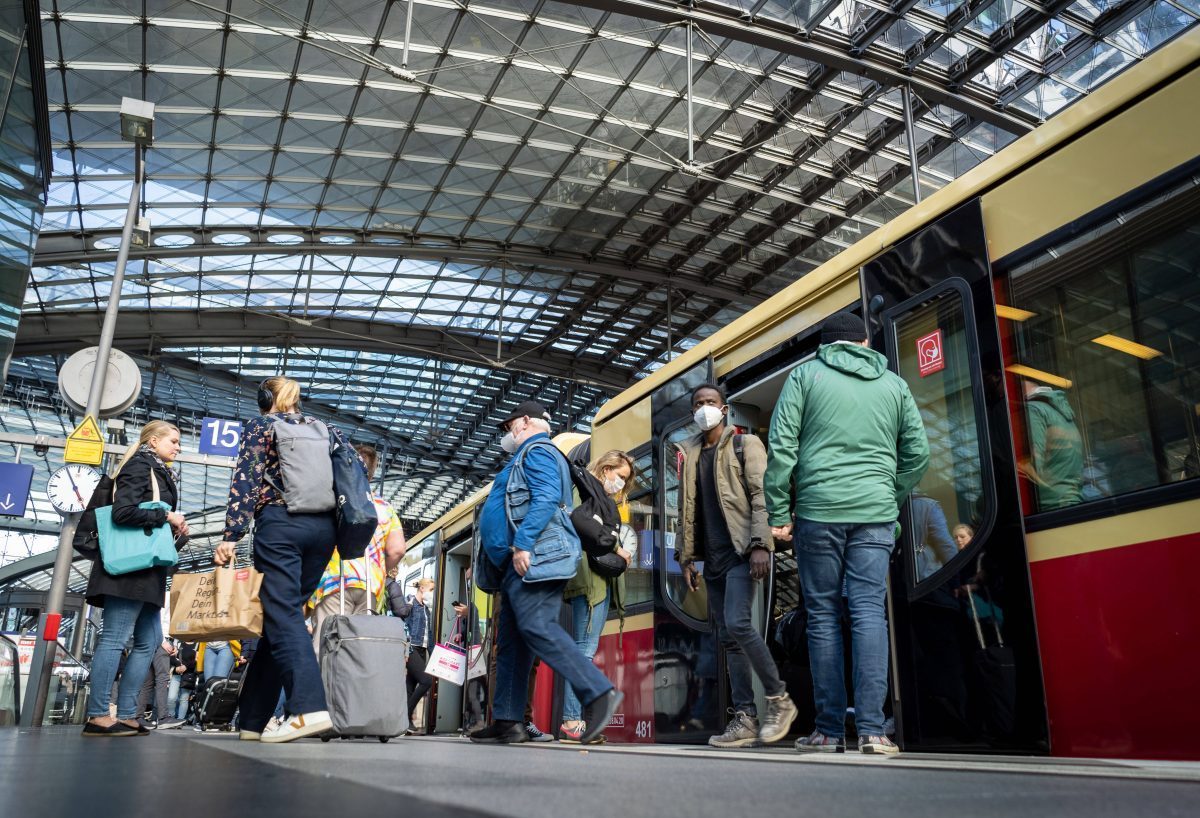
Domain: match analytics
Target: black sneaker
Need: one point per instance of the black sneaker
(93, 730)
(501, 732)
(536, 734)
(599, 713)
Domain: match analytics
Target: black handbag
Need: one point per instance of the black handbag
(596, 521)
(354, 513)
(87, 536)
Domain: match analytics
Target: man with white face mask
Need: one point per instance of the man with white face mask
(724, 522)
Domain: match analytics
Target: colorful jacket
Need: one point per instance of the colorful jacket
(356, 570)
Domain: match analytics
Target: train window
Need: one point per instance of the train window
(639, 508)
(692, 605)
(950, 505)
(1102, 350)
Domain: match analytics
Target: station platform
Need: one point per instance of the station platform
(55, 772)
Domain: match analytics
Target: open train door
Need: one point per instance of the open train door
(966, 671)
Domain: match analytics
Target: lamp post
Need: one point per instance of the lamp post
(137, 126)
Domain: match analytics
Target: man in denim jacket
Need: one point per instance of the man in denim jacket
(529, 611)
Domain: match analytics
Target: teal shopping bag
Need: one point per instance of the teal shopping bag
(125, 549)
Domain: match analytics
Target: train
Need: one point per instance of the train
(1048, 299)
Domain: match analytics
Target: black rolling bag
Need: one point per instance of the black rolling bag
(215, 705)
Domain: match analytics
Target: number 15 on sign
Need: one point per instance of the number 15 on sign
(219, 436)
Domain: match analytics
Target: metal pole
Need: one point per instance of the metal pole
(62, 560)
(407, 34)
(690, 136)
(913, 166)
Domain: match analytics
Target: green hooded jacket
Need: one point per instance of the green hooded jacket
(1056, 447)
(847, 444)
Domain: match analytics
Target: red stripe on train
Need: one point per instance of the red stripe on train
(1119, 632)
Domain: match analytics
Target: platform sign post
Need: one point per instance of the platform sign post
(15, 480)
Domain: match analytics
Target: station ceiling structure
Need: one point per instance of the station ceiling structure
(429, 211)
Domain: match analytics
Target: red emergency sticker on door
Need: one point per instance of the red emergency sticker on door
(931, 354)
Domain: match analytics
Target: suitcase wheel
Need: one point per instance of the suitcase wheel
(384, 739)
(326, 739)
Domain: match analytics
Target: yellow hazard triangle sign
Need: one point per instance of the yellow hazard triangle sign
(85, 445)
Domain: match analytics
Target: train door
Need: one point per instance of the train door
(966, 672)
(453, 586)
(688, 699)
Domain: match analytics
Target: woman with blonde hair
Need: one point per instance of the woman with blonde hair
(292, 546)
(420, 633)
(589, 594)
(132, 601)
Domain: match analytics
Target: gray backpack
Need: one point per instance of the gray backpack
(305, 465)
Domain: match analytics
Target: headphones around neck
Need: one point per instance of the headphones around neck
(266, 398)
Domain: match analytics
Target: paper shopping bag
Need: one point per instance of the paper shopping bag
(447, 662)
(217, 605)
(477, 664)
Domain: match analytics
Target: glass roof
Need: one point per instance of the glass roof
(505, 203)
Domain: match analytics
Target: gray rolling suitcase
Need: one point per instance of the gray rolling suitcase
(363, 664)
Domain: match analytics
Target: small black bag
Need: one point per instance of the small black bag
(87, 536)
(597, 522)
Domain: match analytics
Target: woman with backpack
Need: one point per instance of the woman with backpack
(132, 601)
(293, 542)
(591, 593)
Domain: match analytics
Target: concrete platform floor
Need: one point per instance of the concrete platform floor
(180, 774)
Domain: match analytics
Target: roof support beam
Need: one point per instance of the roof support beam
(821, 47)
(145, 331)
(65, 249)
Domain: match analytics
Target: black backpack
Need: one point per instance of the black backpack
(596, 521)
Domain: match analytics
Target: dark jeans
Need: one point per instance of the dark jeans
(418, 681)
(158, 684)
(730, 599)
(853, 556)
(529, 627)
(291, 551)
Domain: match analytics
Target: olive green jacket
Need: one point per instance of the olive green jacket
(741, 497)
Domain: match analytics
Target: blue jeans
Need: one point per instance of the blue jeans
(529, 627)
(123, 618)
(181, 704)
(856, 556)
(217, 661)
(586, 630)
(730, 600)
(291, 551)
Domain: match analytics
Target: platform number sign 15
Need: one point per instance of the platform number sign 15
(219, 436)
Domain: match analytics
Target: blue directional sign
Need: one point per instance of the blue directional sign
(15, 479)
(219, 436)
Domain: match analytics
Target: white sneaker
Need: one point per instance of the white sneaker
(249, 735)
(302, 726)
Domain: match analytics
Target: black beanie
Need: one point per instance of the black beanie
(842, 326)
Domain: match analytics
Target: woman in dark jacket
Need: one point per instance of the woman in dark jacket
(132, 601)
(291, 550)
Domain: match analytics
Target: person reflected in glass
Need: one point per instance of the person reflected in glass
(963, 534)
(931, 535)
(588, 594)
(132, 602)
(1055, 462)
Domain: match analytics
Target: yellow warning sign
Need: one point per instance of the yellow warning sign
(84, 445)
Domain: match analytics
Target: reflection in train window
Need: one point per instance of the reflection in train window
(693, 604)
(935, 360)
(1102, 338)
(638, 513)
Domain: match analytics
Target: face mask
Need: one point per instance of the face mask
(508, 442)
(708, 417)
(613, 485)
